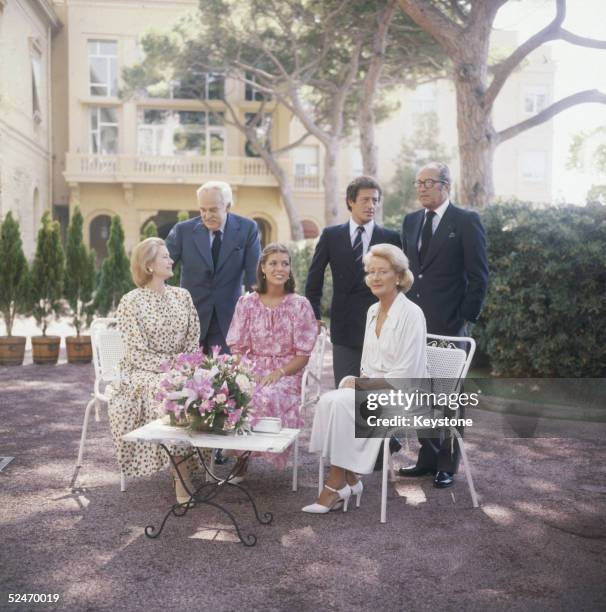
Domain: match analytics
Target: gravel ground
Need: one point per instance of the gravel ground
(536, 543)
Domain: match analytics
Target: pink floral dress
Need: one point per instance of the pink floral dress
(271, 337)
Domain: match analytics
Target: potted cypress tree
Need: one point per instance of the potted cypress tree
(115, 278)
(14, 290)
(150, 230)
(79, 283)
(47, 289)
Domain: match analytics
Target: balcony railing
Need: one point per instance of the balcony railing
(90, 168)
(82, 167)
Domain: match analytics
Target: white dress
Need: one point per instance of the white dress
(399, 352)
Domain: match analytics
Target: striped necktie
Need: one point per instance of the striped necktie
(358, 247)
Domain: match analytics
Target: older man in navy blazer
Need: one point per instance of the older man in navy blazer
(446, 247)
(342, 247)
(218, 251)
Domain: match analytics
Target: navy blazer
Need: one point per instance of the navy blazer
(450, 286)
(189, 243)
(351, 297)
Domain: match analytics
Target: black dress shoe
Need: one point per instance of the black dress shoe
(415, 470)
(395, 446)
(443, 480)
(220, 458)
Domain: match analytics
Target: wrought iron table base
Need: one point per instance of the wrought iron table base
(205, 495)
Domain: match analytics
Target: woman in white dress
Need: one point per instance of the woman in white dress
(394, 347)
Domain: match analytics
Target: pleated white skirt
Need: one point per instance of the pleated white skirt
(333, 434)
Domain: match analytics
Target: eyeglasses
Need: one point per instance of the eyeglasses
(428, 183)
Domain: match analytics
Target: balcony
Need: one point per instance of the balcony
(91, 168)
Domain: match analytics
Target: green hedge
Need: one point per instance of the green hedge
(302, 252)
(545, 313)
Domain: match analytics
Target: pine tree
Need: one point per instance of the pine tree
(47, 273)
(150, 230)
(115, 278)
(175, 279)
(14, 273)
(79, 279)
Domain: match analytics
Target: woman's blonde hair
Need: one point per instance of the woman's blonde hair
(142, 257)
(397, 260)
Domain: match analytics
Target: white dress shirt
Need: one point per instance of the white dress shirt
(399, 351)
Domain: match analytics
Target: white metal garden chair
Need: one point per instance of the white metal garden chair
(311, 389)
(107, 352)
(448, 365)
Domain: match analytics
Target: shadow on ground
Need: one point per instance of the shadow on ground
(537, 542)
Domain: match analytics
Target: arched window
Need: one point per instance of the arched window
(98, 234)
(310, 228)
(264, 231)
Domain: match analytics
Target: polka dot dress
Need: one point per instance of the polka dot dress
(154, 326)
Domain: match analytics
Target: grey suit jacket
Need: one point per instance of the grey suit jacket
(189, 243)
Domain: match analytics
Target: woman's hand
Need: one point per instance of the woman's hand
(349, 382)
(272, 377)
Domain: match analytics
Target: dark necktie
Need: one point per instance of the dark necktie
(426, 235)
(358, 247)
(216, 247)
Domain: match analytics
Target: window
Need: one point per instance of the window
(195, 85)
(533, 165)
(167, 132)
(103, 67)
(103, 130)
(306, 167)
(306, 161)
(36, 72)
(262, 125)
(251, 93)
(535, 100)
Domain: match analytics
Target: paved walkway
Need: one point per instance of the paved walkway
(537, 542)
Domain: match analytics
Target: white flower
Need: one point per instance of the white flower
(244, 383)
(221, 398)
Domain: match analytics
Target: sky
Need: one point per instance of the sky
(577, 69)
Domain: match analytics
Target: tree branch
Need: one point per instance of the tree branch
(581, 97)
(581, 41)
(503, 70)
(434, 22)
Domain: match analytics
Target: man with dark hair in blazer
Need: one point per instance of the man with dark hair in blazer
(342, 247)
(446, 247)
(218, 251)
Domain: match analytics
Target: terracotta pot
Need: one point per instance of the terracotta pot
(12, 350)
(45, 349)
(79, 349)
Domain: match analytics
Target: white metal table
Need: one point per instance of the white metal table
(158, 432)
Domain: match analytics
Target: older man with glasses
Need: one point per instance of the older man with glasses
(446, 247)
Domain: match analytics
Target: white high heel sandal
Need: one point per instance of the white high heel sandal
(357, 491)
(344, 495)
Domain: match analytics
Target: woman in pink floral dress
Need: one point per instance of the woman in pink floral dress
(277, 329)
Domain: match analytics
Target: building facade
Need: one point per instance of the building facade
(69, 136)
(143, 158)
(27, 28)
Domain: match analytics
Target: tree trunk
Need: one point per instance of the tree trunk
(477, 136)
(330, 182)
(477, 143)
(296, 228)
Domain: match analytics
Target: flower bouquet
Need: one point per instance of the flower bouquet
(209, 393)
